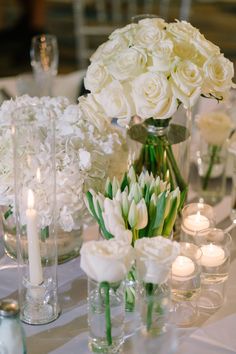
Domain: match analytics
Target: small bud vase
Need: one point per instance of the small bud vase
(106, 315)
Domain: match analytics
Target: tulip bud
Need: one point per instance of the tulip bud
(115, 186)
(132, 175)
(124, 204)
(135, 192)
(142, 218)
(133, 215)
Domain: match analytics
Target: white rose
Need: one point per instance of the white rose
(126, 33)
(154, 257)
(92, 112)
(186, 82)
(205, 47)
(153, 22)
(108, 50)
(182, 30)
(116, 102)
(162, 56)
(108, 260)
(149, 36)
(218, 73)
(215, 127)
(153, 96)
(114, 222)
(97, 77)
(128, 64)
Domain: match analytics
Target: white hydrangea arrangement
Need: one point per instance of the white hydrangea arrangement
(86, 154)
(150, 68)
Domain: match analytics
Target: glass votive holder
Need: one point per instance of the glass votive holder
(185, 285)
(106, 316)
(196, 217)
(215, 246)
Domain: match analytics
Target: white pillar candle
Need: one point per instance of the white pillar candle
(212, 255)
(195, 223)
(35, 266)
(182, 267)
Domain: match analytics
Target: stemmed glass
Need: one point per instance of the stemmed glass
(44, 61)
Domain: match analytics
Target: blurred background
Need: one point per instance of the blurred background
(81, 25)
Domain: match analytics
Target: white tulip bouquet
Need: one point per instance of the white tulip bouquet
(139, 206)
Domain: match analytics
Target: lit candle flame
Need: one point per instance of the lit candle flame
(30, 199)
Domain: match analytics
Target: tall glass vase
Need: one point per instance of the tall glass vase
(35, 213)
(162, 146)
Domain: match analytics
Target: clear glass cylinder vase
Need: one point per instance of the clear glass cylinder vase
(35, 213)
(211, 167)
(106, 315)
(162, 146)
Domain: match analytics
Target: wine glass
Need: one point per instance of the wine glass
(44, 61)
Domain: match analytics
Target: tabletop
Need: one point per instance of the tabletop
(213, 333)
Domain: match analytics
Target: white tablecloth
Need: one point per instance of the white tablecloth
(213, 334)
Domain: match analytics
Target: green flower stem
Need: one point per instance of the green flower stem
(106, 286)
(149, 294)
(130, 292)
(213, 156)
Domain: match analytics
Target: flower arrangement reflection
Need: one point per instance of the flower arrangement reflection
(215, 128)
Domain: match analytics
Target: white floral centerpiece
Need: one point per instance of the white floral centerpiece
(148, 69)
(86, 155)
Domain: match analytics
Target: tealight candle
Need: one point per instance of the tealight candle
(35, 266)
(182, 267)
(195, 223)
(212, 255)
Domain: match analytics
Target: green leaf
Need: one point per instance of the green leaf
(170, 220)
(105, 233)
(124, 182)
(159, 215)
(8, 213)
(91, 206)
(44, 233)
(109, 191)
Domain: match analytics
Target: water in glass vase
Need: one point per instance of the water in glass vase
(97, 320)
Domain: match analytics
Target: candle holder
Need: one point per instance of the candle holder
(185, 285)
(215, 246)
(196, 217)
(33, 134)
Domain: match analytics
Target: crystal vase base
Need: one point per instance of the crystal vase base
(183, 314)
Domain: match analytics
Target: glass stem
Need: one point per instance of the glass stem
(106, 286)
(210, 167)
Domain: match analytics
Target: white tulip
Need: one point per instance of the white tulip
(107, 260)
(154, 257)
(142, 218)
(133, 215)
(135, 193)
(131, 175)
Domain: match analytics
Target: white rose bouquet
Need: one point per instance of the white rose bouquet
(86, 154)
(215, 128)
(154, 257)
(148, 70)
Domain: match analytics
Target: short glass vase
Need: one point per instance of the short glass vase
(106, 316)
